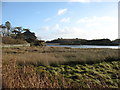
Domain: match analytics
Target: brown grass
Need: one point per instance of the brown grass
(58, 55)
(9, 40)
(19, 66)
(27, 77)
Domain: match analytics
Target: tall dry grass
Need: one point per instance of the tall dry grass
(27, 77)
(58, 55)
(19, 66)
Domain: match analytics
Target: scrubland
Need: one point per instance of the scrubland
(60, 67)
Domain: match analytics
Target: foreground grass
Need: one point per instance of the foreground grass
(27, 77)
(101, 75)
(53, 67)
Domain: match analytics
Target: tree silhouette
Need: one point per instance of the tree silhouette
(29, 36)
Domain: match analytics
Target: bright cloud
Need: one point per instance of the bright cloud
(65, 20)
(57, 31)
(89, 28)
(100, 27)
(62, 11)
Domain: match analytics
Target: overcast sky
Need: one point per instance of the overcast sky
(51, 20)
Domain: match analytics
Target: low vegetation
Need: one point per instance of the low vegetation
(58, 67)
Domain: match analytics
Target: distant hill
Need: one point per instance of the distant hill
(117, 41)
(85, 42)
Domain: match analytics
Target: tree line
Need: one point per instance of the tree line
(6, 30)
(77, 41)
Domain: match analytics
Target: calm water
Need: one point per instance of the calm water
(86, 46)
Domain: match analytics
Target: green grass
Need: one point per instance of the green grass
(105, 72)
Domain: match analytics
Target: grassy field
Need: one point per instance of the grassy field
(59, 67)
